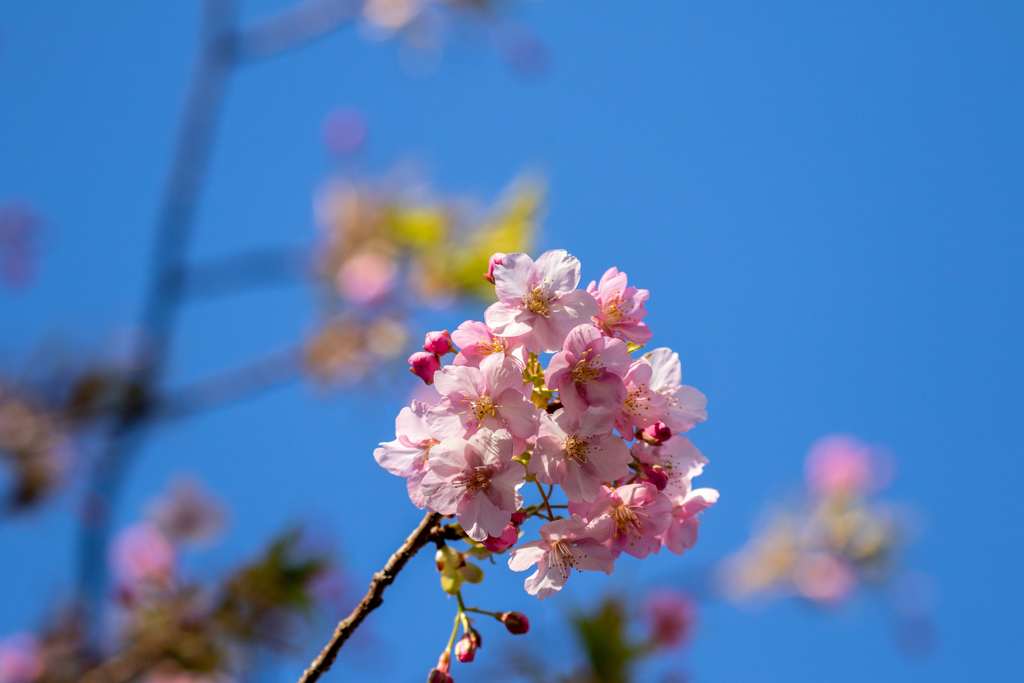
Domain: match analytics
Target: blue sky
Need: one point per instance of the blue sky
(825, 200)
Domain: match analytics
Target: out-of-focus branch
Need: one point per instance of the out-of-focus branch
(159, 315)
(231, 386)
(294, 27)
(427, 529)
(247, 270)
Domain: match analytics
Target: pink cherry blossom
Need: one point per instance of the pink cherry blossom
(538, 301)
(187, 514)
(640, 512)
(838, 463)
(142, 557)
(21, 659)
(477, 341)
(477, 481)
(680, 460)
(682, 533)
(622, 307)
(686, 405)
(407, 455)
(579, 453)
(366, 277)
(490, 396)
(566, 544)
(643, 406)
(588, 371)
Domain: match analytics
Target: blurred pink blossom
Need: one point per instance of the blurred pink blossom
(367, 276)
(21, 659)
(839, 463)
(141, 556)
(672, 616)
(823, 578)
(187, 514)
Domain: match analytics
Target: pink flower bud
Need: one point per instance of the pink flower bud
(515, 622)
(518, 517)
(438, 676)
(465, 649)
(657, 434)
(495, 261)
(439, 343)
(656, 476)
(424, 365)
(508, 538)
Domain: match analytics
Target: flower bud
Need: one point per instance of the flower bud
(465, 649)
(518, 517)
(656, 476)
(438, 676)
(495, 260)
(656, 434)
(499, 544)
(424, 365)
(515, 622)
(438, 343)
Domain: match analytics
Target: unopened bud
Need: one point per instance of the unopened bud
(438, 343)
(499, 544)
(518, 517)
(656, 476)
(515, 622)
(495, 260)
(438, 676)
(465, 649)
(656, 434)
(424, 365)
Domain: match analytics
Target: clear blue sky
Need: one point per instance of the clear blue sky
(825, 200)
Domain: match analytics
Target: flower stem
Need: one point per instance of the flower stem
(547, 504)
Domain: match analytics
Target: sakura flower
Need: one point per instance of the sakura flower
(566, 544)
(21, 659)
(142, 557)
(682, 533)
(407, 455)
(588, 371)
(495, 260)
(838, 463)
(680, 460)
(823, 578)
(671, 615)
(643, 406)
(622, 307)
(538, 301)
(477, 481)
(490, 396)
(640, 512)
(507, 539)
(187, 514)
(477, 341)
(578, 453)
(686, 405)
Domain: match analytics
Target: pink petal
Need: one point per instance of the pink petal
(527, 555)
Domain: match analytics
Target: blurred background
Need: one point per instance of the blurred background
(825, 202)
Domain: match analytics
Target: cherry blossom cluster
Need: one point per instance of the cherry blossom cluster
(602, 423)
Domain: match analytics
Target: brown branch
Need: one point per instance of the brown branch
(427, 529)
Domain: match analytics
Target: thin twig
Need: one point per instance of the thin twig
(374, 596)
(246, 270)
(294, 27)
(231, 386)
